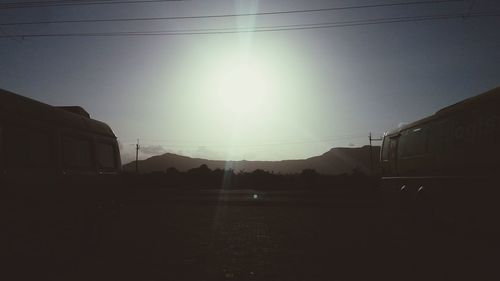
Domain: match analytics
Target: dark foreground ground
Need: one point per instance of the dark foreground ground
(323, 238)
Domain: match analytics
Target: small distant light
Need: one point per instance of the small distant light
(255, 196)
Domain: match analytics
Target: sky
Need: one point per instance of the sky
(237, 94)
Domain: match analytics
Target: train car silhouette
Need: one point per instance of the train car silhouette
(42, 141)
(447, 163)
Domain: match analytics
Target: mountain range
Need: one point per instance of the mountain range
(333, 162)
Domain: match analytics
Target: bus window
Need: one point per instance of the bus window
(76, 152)
(28, 148)
(412, 143)
(106, 156)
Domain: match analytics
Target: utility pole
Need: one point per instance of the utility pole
(137, 146)
(371, 152)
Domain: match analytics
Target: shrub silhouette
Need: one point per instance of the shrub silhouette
(204, 177)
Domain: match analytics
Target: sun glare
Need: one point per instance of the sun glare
(243, 88)
(245, 96)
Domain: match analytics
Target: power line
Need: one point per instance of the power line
(256, 29)
(318, 25)
(5, 34)
(249, 145)
(270, 141)
(470, 8)
(198, 143)
(43, 4)
(230, 15)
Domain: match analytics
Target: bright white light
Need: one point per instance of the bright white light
(243, 88)
(242, 97)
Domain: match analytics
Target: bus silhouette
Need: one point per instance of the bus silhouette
(58, 180)
(39, 141)
(446, 164)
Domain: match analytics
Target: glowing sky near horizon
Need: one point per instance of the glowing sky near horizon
(254, 96)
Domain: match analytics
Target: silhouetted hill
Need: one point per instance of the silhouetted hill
(335, 161)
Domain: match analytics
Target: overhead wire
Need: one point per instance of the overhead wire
(470, 8)
(257, 29)
(243, 29)
(231, 15)
(43, 4)
(220, 145)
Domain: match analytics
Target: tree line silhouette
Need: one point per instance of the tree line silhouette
(203, 177)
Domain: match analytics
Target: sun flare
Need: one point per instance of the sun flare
(243, 88)
(243, 96)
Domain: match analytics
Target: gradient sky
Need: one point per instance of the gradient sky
(307, 90)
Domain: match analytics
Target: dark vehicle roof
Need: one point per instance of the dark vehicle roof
(75, 109)
(490, 97)
(68, 117)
